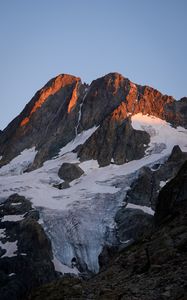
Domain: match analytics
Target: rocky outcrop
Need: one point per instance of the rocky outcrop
(25, 260)
(171, 196)
(65, 107)
(68, 172)
(131, 224)
(176, 112)
(144, 190)
(114, 141)
(48, 121)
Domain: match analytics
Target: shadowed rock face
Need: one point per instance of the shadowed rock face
(114, 141)
(171, 196)
(41, 123)
(30, 263)
(65, 107)
(144, 190)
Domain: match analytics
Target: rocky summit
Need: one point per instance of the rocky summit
(93, 193)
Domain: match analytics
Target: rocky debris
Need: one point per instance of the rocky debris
(154, 268)
(65, 107)
(68, 172)
(25, 260)
(66, 288)
(62, 185)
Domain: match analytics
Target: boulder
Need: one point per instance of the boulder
(68, 172)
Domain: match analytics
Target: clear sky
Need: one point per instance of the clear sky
(145, 40)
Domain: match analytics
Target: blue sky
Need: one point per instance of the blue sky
(145, 40)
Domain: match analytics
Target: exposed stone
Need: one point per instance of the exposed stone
(30, 265)
(68, 172)
(142, 189)
(131, 224)
(62, 185)
(114, 140)
(171, 195)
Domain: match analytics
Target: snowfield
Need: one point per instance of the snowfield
(80, 219)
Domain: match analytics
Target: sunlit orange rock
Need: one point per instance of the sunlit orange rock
(120, 113)
(59, 82)
(117, 82)
(73, 99)
(131, 97)
(152, 102)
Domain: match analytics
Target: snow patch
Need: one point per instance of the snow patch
(59, 267)
(124, 242)
(16, 203)
(2, 232)
(163, 183)
(10, 247)
(12, 218)
(163, 136)
(145, 209)
(79, 140)
(20, 163)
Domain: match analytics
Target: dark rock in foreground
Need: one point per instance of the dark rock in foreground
(29, 265)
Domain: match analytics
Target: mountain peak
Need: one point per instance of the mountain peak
(52, 87)
(65, 107)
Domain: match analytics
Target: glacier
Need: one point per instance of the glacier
(80, 220)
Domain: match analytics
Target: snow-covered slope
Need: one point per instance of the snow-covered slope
(80, 219)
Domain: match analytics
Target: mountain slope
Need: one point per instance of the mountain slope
(92, 160)
(65, 107)
(154, 268)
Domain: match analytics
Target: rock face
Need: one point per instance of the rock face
(114, 141)
(68, 172)
(144, 190)
(65, 107)
(171, 196)
(41, 123)
(154, 268)
(25, 260)
(131, 224)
